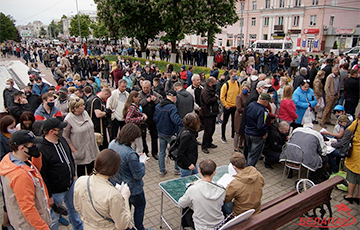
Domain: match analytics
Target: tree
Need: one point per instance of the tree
(211, 15)
(8, 30)
(99, 30)
(55, 29)
(85, 22)
(42, 31)
(137, 19)
(176, 20)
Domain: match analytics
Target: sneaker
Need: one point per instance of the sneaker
(163, 174)
(177, 172)
(223, 140)
(212, 146)
(205, 150)
(198, 142)
(63, 221)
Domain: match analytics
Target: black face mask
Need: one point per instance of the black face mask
(28, 94)
(60, 133)
(33, 151)
(51, 104)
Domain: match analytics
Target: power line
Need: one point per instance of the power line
(41, 11)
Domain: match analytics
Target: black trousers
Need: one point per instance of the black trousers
(227, 113)
(350, 106)
(151, 125)
(209, 129)
(115, 125)
(80, 169)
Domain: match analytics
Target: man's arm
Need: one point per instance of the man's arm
(185, 200)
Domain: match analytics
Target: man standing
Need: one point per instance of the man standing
(31, 98)
(19, 106)
(299, 78)
(228, 94)
(147, 74)
(58, 171)
(189, 75)
(116, 103)
(256, 128)
(98, 114)
(148, 100)
(195, 90)
(62, 102)
(167, 123)
(209, 111)
(184, 102)
(40, 87)
(47, 109)
(332, 93)
(26, 196)
(8, 93)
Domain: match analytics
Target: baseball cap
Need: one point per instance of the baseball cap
(266, 96)
(262, 84)
(339, 108)
(53, 123)
(171, 92)
(343, 118)
(63, 90)
(183, 67)
(69, 79)
(24, 136)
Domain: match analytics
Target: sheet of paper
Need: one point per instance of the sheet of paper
(143, 158)
(323, 130)
(231, 170)
(329, 149)
(225, 180)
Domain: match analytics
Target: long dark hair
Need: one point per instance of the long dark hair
(129, 101)
(26, 116)
(5, 122)
(128, 134)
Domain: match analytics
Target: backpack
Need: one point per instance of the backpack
(345, 151)
(227, 87)
(174, 145)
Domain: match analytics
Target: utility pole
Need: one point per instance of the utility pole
(77, 9)
(241, 21)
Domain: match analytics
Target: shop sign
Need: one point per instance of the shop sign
(311, 31)
(316, 43)
(344, 31)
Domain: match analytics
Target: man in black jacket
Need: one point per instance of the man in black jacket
(19, 105)
(277, 137)
(58, 171)
(209, 111)
(32, 99)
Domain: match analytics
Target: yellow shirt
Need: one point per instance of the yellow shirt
(353, 162)
(231, 93)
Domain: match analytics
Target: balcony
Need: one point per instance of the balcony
(278, 28)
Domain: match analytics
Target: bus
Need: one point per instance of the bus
(272, 45)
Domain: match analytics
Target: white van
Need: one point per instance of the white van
(353, 52)
(272, 45)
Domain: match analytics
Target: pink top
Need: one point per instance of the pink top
(287, 110)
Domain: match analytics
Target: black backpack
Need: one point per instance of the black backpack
(174, 145)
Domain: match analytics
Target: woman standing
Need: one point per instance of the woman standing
(104, 198)
(240, 106)
(79, 133)
(7, 127)
(313, 72)
(131, 170)
(133, 114)
(188, 149)
(303, 98)
(352, 163)
(280, 92)
(287, 110)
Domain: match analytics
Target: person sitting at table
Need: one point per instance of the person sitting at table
(246, 189)
(206, 198)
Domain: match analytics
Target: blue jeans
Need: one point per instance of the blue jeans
(139, 202)
(255, 146)
(163, 142)
(74, 217)
(188, 172)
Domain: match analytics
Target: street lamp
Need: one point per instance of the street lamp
(77, 9)
(241, 21)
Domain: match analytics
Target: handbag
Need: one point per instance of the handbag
(88, 188)
(320, 105)
(346, 150)
(309, 115)
(99, 137)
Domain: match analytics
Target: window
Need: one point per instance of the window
(315, 2)
(297, 2)
(230, 35)
(280, 20)
(266, 21)
(267, 4)
(254, 5)
(265, 36)
(296, 21)
(281, 3)
(253, 21)
(288, 46)
(331, 23)
(334, 2)
(220, 41)
(312, 20)
(252, 36)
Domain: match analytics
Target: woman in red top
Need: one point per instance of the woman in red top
(133, 114)
(287, 110)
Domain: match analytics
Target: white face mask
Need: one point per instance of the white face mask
(147, 63)
(127, 74)
(265, 90)
(7, 86)
(11, 131)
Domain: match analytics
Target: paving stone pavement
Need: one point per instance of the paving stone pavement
(221, 156)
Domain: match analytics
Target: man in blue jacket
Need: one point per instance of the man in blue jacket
(167, 123)
(256, 128)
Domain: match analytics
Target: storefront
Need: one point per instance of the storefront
(342, 38)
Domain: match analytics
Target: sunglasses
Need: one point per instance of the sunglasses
(307, 80)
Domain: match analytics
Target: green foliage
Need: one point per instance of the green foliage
(42, 31)
(55, 29)
(85, 22)
(335, 46)
(135, 19)
(99, 30)
(211, 15)
(8, 30)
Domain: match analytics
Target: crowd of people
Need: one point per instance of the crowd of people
(94, 125)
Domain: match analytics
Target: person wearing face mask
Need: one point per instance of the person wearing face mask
(26, 195)
(58, 171)
(117, 74)
(128, 80)
(62, 102)
(136, 80)
(240, 106)
(339, 128)
(47, 109)
(228, 94)
(31, 80)
(7, 128)
(8, 93)
(31, 98)
(19, 105)
(40, 87)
